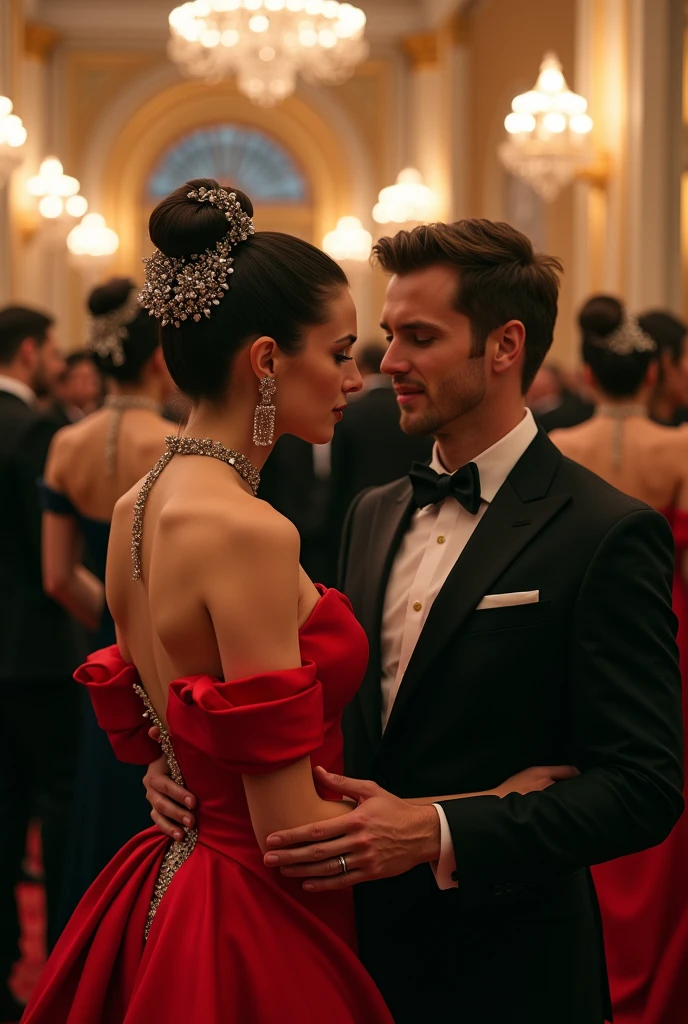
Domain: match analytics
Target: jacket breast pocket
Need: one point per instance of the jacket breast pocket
(516, 616)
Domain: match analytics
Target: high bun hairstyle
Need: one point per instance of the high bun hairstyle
(619, 369)
(279, 286)
(130, 337)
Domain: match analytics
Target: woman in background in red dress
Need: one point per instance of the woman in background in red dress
(643, 897)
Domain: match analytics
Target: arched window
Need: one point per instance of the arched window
(235, 156)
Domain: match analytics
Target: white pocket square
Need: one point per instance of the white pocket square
(509, 600)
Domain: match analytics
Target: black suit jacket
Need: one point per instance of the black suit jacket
(588, 676)
(38, 640)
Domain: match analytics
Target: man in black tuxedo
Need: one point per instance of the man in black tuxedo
(39, 645)
(519, 614)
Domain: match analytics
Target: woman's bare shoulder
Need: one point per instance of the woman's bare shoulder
(572, 439)
(244, 522)
(68, 443)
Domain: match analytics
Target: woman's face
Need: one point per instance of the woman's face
(313, 386)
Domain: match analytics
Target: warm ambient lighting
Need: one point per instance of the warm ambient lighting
(92, 238)
(406, 201)
(12, 139)
(548, 132)
(348, 241)
(57, 192)
(266, 43)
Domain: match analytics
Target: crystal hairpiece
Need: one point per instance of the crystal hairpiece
(629, 337)
(107, 331)
(179, 288)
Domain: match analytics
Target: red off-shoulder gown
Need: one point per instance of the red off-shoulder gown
(644, 897)
(231, 942)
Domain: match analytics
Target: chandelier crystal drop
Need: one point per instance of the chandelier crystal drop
(266, 43)
(548, 133)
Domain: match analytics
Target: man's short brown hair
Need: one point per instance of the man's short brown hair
(501, 278)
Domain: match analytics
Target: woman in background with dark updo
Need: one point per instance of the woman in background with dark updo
(644, 897)
(90, 465)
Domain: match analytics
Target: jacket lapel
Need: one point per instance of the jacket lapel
(387, 528)
(519, 511)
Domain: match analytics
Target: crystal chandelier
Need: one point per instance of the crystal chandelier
(406, 201)
(266, 43)
(549, 130)
(12, 138)
(348, 241)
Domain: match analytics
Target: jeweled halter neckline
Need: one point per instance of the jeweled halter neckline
(119, 404)
(186, 446)
(619, 413)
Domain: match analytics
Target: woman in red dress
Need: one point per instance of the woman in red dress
(239, 661)
(644, 897)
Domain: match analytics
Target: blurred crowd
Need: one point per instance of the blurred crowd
(78, 432)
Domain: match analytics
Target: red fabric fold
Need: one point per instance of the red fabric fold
(118, 708)
(253, 725)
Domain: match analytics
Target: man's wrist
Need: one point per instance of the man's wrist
(430, 840)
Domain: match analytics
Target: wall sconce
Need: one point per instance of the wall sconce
(549, 131)
(408, 200)
(12, 139)
(348, 241)
(58, 192)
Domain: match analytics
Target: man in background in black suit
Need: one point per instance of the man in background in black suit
(369, 448)
(39, 645)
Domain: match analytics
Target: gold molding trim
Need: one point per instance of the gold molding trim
(421, 49)
(597, 173)
(40, 40)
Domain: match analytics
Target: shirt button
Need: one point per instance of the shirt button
(417, 606)
(441, 539)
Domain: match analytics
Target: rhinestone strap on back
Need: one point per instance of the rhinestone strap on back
(177, 852)
(119, 404)
(185, 446)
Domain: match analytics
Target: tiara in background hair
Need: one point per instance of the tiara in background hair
(180, 288)
(107, 331)
(629, 337)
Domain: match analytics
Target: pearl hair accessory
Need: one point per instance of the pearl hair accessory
(179, 288)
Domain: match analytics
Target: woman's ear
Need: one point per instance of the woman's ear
(264, 355)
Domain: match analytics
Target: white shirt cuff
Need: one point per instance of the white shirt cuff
(444, 869)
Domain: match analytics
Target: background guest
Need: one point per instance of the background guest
(553, 404)
(369, 447)
(91, 464)
(643, 897)
(39, 645)
(669, 399)
(79, 389)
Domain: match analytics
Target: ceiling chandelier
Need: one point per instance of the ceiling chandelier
(12, 139)
(548, 128)
(349, 241)
(266, 43)
(407, 201)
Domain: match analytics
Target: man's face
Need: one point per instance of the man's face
(436, 378)
(49, 365)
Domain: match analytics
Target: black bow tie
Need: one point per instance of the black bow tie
(430, 487)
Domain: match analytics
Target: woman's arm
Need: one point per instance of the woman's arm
(252, 596)
(65, 579)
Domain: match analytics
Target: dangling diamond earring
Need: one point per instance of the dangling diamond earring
(264, 419)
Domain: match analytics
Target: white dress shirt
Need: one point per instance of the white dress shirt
(18, 388)
(434, 541)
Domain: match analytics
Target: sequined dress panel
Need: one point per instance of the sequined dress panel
(230, 940)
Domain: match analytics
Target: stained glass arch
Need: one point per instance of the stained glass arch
(235, 155)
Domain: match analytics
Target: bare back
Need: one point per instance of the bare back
(78, 467)
(653, 464)
(211, 587)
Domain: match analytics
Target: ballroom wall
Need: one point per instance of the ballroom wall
(92, 82)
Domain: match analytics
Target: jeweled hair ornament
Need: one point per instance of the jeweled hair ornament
(180, 288)
(629, 337)
(107, 331)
